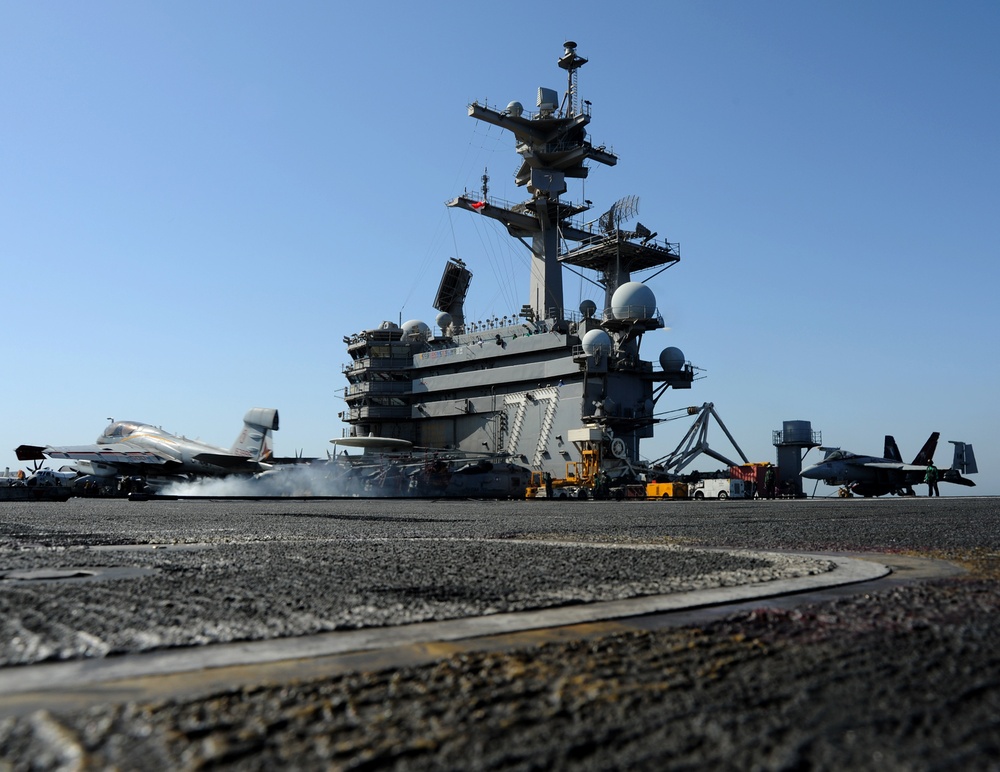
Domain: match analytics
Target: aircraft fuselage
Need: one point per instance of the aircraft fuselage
(854, 472)
(152, 438)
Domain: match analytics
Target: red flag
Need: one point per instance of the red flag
(477, 205)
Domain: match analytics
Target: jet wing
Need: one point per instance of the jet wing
(29, 453)
(230, 462)
(113, 455)
(897, 466)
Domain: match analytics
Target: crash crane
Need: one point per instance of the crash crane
(695, 442)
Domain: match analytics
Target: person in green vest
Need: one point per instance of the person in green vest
(931, 478)
(769, 482)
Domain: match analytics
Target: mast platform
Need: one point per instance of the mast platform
(631, 256)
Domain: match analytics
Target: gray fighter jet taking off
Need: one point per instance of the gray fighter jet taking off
(132, 448)
(875, 476)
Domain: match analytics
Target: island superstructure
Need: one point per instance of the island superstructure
(549, 386)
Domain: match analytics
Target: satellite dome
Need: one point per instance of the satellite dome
(443, 320)
(596, 341)
(672, 359)
(588, 308)
(633, 300)
(515, 109)
(416, 328)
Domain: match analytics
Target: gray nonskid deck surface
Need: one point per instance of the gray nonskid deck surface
(91, 600)
(778, 574)
(624, 695)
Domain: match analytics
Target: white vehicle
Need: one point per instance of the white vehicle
(723, 488)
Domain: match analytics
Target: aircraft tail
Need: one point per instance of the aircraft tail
(965, 459)
(891, 449)
(255, 441)
(926, 454)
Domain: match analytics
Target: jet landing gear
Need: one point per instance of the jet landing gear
(850, 491)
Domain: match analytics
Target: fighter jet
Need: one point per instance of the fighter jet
(132, 448)
(874, 476)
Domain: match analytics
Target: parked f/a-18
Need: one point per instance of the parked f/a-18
(133, 448)
(876, 476)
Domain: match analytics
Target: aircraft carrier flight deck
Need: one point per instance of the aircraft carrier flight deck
(500, 634)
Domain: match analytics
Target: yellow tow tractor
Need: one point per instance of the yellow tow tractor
(666, 490)
(578, 483)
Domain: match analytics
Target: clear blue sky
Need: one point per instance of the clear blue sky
(199, 200)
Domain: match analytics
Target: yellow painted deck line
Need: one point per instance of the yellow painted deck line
(195, 684)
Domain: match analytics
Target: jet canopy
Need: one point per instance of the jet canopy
(838, 455)
(117, 431)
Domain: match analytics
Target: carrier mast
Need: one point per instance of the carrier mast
(532, 390)
(553, 143)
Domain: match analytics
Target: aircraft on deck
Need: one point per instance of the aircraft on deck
(132, 448)
(876, 476)
(371, 442)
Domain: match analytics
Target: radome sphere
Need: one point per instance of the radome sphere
(672, 359)
(633, 300)
(415, 327)
(596, 341)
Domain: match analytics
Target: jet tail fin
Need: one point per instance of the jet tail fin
(255, 441)
(891, 449)
(926, 454)
(29, 453)
(965, 459)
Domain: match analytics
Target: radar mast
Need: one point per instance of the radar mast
(554, 146)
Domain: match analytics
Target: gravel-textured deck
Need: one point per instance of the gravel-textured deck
(902, 678)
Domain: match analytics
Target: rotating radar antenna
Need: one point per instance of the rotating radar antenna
(623, 209)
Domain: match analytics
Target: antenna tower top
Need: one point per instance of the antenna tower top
(570, 62)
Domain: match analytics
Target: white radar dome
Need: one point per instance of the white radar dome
(596, 341)
(633, 300)
(443, 320)
(416, 328)
(672, 359)
(588, 308)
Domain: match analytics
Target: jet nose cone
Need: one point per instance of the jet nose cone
(812, 472)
